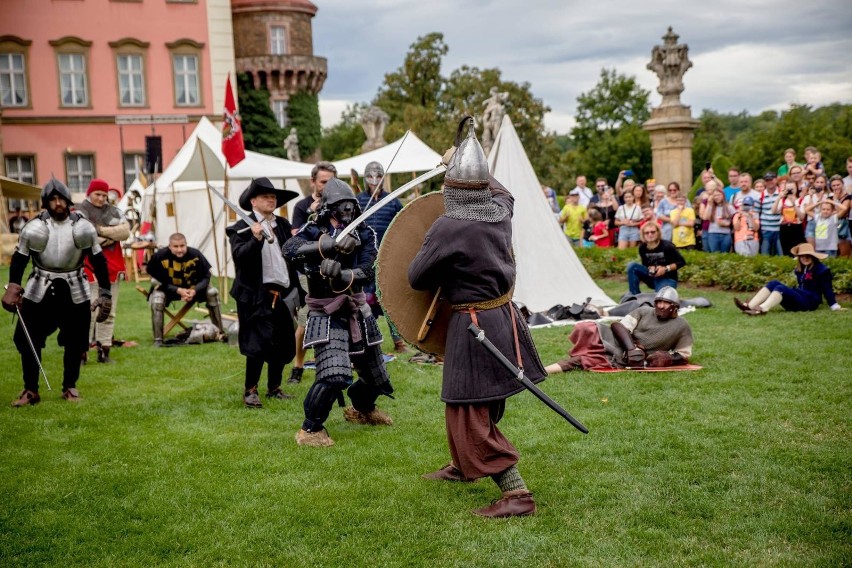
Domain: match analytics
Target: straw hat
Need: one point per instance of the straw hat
(807, 249)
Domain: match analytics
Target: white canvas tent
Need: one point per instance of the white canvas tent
(549, 271)
(178, 200)
(415, 156)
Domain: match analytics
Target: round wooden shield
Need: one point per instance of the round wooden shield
(420, 317)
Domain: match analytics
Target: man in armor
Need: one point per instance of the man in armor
(302, 211)
(646, 337)
(468, 254)
(57, 294)
(266, 289)
(181, 273)
(112, 228)
(374, 175)
(341, 327)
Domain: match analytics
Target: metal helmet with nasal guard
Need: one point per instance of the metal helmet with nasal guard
(668, 294)
(468, 166)
(374, 173)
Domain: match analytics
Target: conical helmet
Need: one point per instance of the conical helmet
(468, 168)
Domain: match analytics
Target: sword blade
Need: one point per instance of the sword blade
(479, 335)
(238, 211)
(32, 346)
(387, 199)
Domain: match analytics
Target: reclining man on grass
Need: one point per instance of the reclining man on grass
(647, 337)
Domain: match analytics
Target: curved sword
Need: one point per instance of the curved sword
(266, 234)
(387, 199)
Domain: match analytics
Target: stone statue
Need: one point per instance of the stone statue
(373, 121)
(492, 117)
(670, 61)
(291, 144)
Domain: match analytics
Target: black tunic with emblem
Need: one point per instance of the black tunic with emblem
(266, 331)
(472, 262)
(192, 270)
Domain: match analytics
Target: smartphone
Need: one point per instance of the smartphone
(628, 173)
(708, 166)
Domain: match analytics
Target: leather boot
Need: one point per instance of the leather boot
(447, 473)
(71, 395)
(103, 354)
(296, 375)
(251, 399)
(511, 506)
(26, 397)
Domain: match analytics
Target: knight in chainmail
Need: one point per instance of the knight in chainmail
(341, 327)
(467, 253)
(112, 229)
(646, 337)
(56, 295)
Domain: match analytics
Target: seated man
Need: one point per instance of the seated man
(660, 261)
(180, 273)
(647, 337)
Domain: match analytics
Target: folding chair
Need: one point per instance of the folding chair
(174, 319)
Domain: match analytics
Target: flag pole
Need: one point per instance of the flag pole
(224, 287)
(210, 204)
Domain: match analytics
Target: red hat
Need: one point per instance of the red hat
(97, 185)
(118, 191)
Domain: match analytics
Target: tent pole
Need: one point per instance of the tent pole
(174, 207)
(224, 276)
(210, 204)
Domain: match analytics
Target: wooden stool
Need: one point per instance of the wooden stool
(175, 319)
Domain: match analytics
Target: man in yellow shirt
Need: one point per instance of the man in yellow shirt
(572, 217)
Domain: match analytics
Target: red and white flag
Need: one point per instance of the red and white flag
(232, 132)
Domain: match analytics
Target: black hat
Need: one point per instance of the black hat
(262, 186)
(770, 175)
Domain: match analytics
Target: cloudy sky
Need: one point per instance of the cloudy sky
(748, 55)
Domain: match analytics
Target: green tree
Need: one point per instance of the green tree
(609, 134)
(303, 114)
(261, 132)
(345, 138)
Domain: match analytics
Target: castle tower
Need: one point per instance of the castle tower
(273, 44)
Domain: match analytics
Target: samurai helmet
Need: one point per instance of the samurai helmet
(338, 201)
(468, 167)
(374, 173)
(55, 186)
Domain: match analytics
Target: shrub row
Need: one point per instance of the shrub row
(729, 271)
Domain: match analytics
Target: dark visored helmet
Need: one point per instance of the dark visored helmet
(55, 186)
(336, 190)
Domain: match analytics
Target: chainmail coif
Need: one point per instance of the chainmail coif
(472, 205)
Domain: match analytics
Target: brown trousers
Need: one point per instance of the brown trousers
(477, 446)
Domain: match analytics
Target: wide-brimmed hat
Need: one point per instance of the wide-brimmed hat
(261, 186)
(807, 249)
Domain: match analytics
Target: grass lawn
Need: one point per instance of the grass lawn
(746, 462)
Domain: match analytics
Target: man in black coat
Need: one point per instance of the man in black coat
(265, 288)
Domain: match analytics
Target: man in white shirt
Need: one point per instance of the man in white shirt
(585, 193)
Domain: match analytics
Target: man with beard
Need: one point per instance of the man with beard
(265, 288)
(112, 229)
(374, 175)
(467, 253)
(181, 273)
(341, 327)
(57, 293)
(646, 337)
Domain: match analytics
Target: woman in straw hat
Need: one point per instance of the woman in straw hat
(813, 280)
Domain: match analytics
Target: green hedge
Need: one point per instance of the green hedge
(729, 271)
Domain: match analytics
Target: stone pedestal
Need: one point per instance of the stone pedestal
(672, 129)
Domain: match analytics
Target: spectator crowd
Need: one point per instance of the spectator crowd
(767, 214)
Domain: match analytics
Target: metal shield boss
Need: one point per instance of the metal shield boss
(421, 317)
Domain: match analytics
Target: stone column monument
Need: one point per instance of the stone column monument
(671, 125)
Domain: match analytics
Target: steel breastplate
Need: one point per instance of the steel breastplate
(41, 280)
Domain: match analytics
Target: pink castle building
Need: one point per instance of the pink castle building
(88, 86)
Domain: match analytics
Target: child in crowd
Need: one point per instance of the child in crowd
(572, 217)
(600, 229)
(683, 223)
(826, 226)
(627, 218)
(746, 229)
